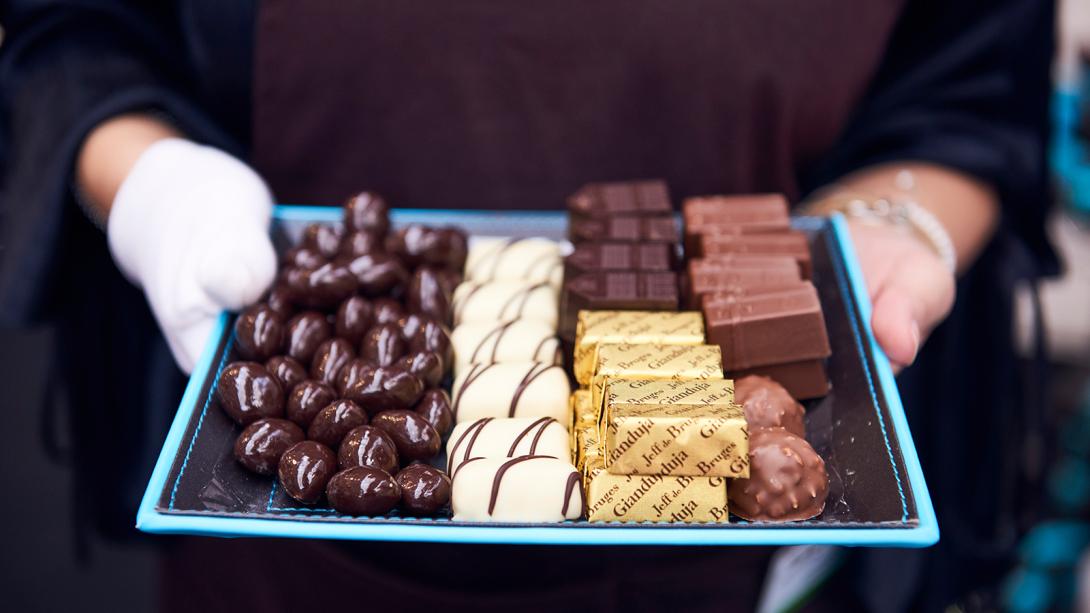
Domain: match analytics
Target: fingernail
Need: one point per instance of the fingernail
(915, 331)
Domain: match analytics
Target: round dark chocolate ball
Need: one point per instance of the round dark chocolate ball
(354, 318)
(379, 274)
(305, 469)
(261, 444)
(288, 372)
(427, 365)
(768, 405)
(382, 388)
(333, 422)
(306, 400)
(367, 211)
(383, 345)
(259, 333)
(362, 490)
(324, 239)
(247, 392)
(361, 242)
(787, 479)
(306, 331)
(424, 489)
(427, 294)
(368, 446)
(434, 407)
(330, 357)
(413, 436)
(306, 258)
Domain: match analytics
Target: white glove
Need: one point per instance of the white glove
(189, 225)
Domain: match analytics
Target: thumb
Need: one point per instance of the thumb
(237, 274)
(913, 299)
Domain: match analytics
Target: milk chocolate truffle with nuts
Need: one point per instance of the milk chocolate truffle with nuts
(787, 479)
(768, 405)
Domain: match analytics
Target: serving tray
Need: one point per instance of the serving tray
(877, 492)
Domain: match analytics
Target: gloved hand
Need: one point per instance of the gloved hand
(189, 225)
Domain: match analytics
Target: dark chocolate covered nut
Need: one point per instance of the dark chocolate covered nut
(306, 258)
(351, 372)
(288, 371)
(411, 324)
(434, 406)
(787, 479)
(322, 238)
(279, 300)
(295, 282)
(449, 279)
(330, 357)
(363, 490)
(328, 285)
(427, 294)
(261, 444)
(247, 392)
(412, 242)
(361, 242)
(334, 421)
(307, 399)
(305, 469)
(368, 446)
(413, 436)
(259, 333)
(387, 311)
(424, 489)
(453, 246)
(306, 331)
(379, 274)
(354, 318)
(427, 365)
(435, 337)
(383, 344)
(367, 211)
(382, 388)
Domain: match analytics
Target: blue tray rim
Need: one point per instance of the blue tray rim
(923, 533)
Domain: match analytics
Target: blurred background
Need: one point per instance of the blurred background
(58, 564)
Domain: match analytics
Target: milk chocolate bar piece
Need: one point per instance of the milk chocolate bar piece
(598, 200)
(739, 273)
(650, 361)
(803, 379)
(667, 427)
(523, 489)
(743, 214)
(656, 498)
(615, 257)
(768, 328)
(506, 437)
(791, 244)
(662, 229)
(645, 291)
(632, 327)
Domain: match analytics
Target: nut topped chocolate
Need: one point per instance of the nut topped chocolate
(787, 479)
(768, 405)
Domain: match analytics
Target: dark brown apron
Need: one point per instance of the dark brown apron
(513, 104)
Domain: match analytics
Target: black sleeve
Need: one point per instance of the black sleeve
(65, 66)
(965, 85)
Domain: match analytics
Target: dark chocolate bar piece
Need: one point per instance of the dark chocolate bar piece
(768, 328)
(791, 244)
(735, 274)
(803, 379)
(640, 198)
(616, 291)
(628, 228)
(637, 257)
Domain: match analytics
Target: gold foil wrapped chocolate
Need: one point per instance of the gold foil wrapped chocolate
(667, 427)
(583, 414)
(653, 361)
(657, 498)
(588, 447)
(631, 327)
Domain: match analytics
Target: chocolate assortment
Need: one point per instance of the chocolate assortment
(355, 347)
(690, 344)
